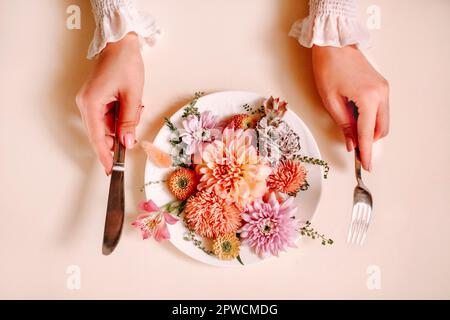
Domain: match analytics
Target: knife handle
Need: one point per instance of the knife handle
(119, 149)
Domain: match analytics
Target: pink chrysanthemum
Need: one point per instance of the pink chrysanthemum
(269, 226)
(232, 168)
(199, 131)
(210, 216)
(288, 177)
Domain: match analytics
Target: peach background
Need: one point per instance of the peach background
(53, 192)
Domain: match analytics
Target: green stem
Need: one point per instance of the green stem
(150, 183)
(315, 161)
(190, 236)
(308, 231)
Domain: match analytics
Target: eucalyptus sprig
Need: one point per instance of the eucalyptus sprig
(308, 231)
(318, 162)
(191, 109)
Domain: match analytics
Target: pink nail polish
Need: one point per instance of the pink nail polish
(129, 141)
(370, 166)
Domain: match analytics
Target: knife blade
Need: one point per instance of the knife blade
(116, 198)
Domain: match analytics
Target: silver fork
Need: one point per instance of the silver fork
(362, 207)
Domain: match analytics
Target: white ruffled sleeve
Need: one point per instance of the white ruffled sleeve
(116, 18)
(331, 23)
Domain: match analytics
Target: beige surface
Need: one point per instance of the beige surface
(53, 192)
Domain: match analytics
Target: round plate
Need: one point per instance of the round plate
(224, 104)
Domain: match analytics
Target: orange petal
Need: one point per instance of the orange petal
(157, 156)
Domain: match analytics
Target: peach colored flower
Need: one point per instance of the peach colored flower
(288, 177)
(211, 216)
(232, 168)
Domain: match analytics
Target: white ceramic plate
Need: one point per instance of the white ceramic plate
(224, 104)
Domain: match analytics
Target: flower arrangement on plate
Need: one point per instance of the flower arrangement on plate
(234, 182)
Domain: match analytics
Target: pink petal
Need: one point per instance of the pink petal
(148, 206)
(136, 224)
(162, 232)
(145, 234)
(142, 216)
(170, 219)
(186, 126)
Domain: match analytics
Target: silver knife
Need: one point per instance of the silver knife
(116, 199)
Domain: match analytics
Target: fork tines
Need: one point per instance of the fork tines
(360, 223)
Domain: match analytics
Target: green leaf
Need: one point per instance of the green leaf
(174, 142)
(240, 260)
(169, 124)
(191, 109)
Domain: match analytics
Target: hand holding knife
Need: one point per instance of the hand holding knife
(116, 199)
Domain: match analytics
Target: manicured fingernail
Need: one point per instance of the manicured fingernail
(370, 166)
(140, 113)
(107, 173)
(349, 144)
(129, 141)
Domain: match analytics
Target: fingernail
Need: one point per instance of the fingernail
(140, 112)
(129, 141)
(370, 166)
(349, 144)
(107, 173)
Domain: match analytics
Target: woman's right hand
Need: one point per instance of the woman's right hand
(117, 76)
(343, 75)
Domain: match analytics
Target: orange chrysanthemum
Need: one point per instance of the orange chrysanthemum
(243, 121)
(182, 183)
(211, 216)
(288, 177)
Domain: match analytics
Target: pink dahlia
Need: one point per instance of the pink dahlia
(199, 131)
(232, 168)
(270, 227)
(211, 216)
